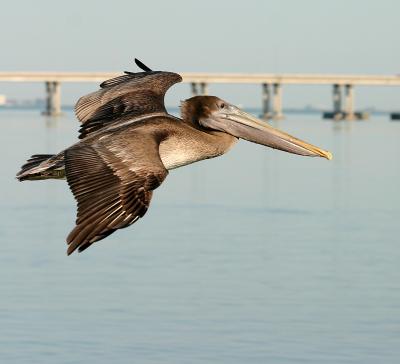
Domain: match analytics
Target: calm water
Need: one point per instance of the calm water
(254, 257)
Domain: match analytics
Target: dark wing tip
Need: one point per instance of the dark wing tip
(142, 66)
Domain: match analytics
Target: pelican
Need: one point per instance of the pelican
(128, 144)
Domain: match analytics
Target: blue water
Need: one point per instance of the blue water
(255, 257)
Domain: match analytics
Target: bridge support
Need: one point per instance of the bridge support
(337, 113)
(348, 112)
(349, 103)
(204, 88)
(266, 101)
(194, 90)
(53, 99)
(277, 113)
(337, 102)
(199, 88)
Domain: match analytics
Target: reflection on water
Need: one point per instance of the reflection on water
(257, 256)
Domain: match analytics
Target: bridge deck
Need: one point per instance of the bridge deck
(300, 79)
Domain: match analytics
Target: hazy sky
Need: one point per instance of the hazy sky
(307, 36)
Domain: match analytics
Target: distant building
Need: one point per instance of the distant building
(3, 99)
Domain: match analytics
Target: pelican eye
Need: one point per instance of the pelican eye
(222, 105)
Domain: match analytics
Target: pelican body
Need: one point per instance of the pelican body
(128, 143)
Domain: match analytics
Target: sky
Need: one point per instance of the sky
(285, 36)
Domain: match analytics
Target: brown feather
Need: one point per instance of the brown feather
(123, 97)
(112, 191)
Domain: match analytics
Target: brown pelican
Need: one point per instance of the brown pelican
(128, 143)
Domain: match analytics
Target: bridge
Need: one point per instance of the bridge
(271, 87)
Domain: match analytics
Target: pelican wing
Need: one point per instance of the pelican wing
(112, 184)
(126, 96)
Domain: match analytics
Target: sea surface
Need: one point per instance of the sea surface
(258, 256)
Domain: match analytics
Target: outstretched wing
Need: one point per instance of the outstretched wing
(125, 96)
(112, 184)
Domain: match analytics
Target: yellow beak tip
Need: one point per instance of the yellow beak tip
(329, 155)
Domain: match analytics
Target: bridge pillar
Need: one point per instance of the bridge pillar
(277, 102)
(349, 102)
(199, 88)
(266, 101)
(337, 101)
(347, 113)
(53, 99)
(194, 89)
(204, 88)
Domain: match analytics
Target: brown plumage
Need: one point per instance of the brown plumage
(128, 143)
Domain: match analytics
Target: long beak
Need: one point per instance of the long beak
(246, 126)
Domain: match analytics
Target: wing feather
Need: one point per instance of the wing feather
(126, 96)
(112, 191)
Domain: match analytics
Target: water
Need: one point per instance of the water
(257, 256)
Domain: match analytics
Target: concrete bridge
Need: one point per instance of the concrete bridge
(271, 87)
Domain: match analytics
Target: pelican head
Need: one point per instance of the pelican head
(212, 113)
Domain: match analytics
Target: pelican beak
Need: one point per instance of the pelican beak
(240, 124)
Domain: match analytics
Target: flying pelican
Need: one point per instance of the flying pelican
(129, 142)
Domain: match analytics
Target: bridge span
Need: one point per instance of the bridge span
(271, 87)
